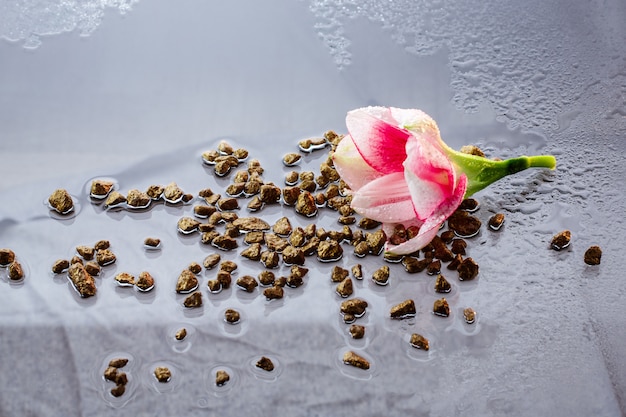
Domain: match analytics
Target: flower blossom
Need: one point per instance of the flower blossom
(400, 171)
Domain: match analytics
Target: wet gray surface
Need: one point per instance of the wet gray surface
(146, 91)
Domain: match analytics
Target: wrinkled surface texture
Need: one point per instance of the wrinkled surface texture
(137, 90)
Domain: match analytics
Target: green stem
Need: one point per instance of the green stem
(482, 172)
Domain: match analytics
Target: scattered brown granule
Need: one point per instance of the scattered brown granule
(114, 199)
(307, 176)
(469, 205)
(442, 285)
(76, 260)
(361, 249)
(447, 236)
(338, 274)
(455, 263)
(468, 269)
(441, 250)
(321, 233)
(110, 373)
(152, 242)
(224, 278)
(320, 199)
(275, 242)
(205, 192)
(145, 281)
(329, 251)
(221, 378)
(349, 318)
(357, 331)
(298, 271)
(441, 307)
(346, 220)
(208, 237)
(247, 283)
(155, 191)
(118, 390)
(312, 144)
(194, 300)
(137, 199)
(211, 260)
(186, 282)
(280, 282)
(291, 159)
(403, 310)
(187, 225)
(181, 334)
(252, 188)
(295, 278)
(332, 137)
(232, 316)
(162, 374)
(225, 242)
(60, 265)
(496, 221)
(375, 241)
(464, 224)
(102, 244)
(412, 265)
(172, 192)
(118, 362)
(125, 279)
(121, 378)
(357, 271)
(224, 148)
(251, 224)
(270, 259)
(274, 292)
(351, 358)
(345, 288)
(290, 195)
(310, 247)
(223, 166)
(231, 231)
(266, 278)
(593, 255)
(418, 341)
(331, 191)
(297, 237)
(336, 202)
(254, 237)
(241, 154)
(203, 211)
(230, 217)
(561, 240)
(61, 201)
(187, 197)
(83, 282)
(269, 193)
(195, 268)
(470, 315)
(253, 252)
(305, 204)
(309, 186)
(354, 306)
(282, 227)
(101, 188)
(16, 272)
(291, 178)
(434, 267)
(329, 172)
(458, 246)
(214, 286)
(92, 268)
(228, 266)
(310, 230)
(321, 182)
(227, 203)
(241, 176)
(255, 166)
(381, 275)
(212, 199)
(209, 156)
(293, 256)
(265, 363)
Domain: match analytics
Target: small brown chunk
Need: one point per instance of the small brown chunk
(293, 256)
(211, 260)
(232, 316)
(265, 363)
(172, 192)
(152, 242)
(137, 199)
(87, 252)
(251, 224)
(145, 281)
(16, 272)
(181, 334)
(118, 362)
(354, 306)
(224, 242)
(357, 271)
(194, 300)
(6, 256)
(61, 201)
(434, 267)
(214, 286)
(270, 259)
(266, 278)
(464, 224)
(442, 285)
(253, 252)
(125, 279)
(187, 225)
(118, 390)
(162, 374)
(338, 274)
(441, 307)
(329, 251)
(115, 199)
(203, 211)
(221, 378)
(561, 240)
(101, 188)
(381, 275)
(83, 282)
(420, 342)
(155, 191)
(469, 204)
(291, 159)
(468, 269)
(269, 193)
(305, 205)
(470, 315)
(187, 282)
(102, 244)
(92, 268)
(351, 358)
(247, 283)
(224, 278)
(60, 265)
(496, 221)
(593, 255)
(275, 243)
(413, 265)
(403, 310)
(357, 331)
(376, 241)
(345, 288)
(274, 292)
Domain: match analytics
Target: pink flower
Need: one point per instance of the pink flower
(400, 171)
(395, 163)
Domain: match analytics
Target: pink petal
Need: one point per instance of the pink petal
(386, 199)
(419, 123)
(381, 144)
(351, 166)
